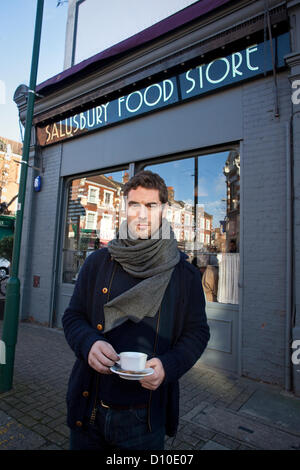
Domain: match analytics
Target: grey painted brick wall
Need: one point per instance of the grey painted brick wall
(198, 123)
(264, 218)
(39, 235)
(296, 122)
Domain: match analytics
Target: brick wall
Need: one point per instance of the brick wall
(264, 229)
(296, 139)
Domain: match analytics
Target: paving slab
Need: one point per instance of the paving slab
(274, 407)
(217, 408)
(247, 430)
(211, 445)
(15, 436)
(191, 414)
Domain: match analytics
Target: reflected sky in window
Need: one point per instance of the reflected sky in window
(211, 182)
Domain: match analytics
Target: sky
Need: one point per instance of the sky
(211, 182)
(96, 17)
(212, 189)
(16, 42)
(17, 32)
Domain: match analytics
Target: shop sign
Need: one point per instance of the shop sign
(236, 67)
(207, 77)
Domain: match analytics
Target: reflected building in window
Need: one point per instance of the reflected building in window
(232, 173)
(204, 230)
(203, 210)
(204, 217)
(191, 233)
(95, 211)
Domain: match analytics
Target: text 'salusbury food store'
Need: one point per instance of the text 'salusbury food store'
(204, 98)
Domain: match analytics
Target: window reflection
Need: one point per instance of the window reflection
(204, 210)
(94, 214)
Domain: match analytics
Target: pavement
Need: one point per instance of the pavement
(218, 410)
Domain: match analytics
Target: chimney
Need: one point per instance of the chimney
(171, 193)
(125, 177)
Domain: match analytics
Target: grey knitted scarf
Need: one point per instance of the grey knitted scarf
(152, 260)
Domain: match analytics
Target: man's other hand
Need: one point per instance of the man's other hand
(102, 356)
(152, 382)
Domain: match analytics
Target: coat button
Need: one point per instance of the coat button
(99, 327)
(85, 394)
(79, 423)
(104, 290)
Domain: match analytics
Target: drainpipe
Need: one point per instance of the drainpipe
(289, 256)
(290, 330)
(293, 376)
(57, 253)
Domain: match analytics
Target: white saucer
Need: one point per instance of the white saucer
(127, 375)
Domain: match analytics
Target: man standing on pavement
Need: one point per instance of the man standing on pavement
(138, 294)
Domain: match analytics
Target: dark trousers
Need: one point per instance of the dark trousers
(117, 430)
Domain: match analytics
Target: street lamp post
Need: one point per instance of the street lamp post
(12, 302)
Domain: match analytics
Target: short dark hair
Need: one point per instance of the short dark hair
(148, 179)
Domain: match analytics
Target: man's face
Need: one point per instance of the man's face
(144, 211)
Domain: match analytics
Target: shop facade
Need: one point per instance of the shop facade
(207, 105)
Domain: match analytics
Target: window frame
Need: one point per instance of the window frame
(88, 212)
(134, 167)
(111, 198)
(93, 188)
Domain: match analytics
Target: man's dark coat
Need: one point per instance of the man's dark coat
(182, 309)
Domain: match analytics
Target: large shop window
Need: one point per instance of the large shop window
(95, 211)
(204, 211)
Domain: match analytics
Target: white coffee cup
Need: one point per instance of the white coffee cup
(134, 361)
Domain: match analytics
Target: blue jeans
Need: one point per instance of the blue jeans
(117, 430)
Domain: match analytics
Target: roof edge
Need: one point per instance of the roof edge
(164, 26)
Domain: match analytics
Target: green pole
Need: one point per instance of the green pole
(12, 300)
